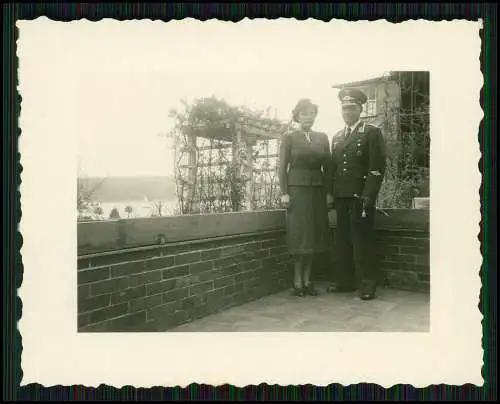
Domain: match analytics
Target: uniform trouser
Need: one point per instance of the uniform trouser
(355, 242)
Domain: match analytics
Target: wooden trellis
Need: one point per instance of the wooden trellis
(227, 164)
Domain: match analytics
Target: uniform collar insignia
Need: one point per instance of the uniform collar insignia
(357, 127)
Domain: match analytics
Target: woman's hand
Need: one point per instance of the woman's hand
(329, 201)
(285, 200)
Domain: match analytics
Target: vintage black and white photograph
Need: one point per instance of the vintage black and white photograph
(251, 186)
(230, 199)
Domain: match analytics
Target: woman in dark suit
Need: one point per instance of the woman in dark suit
(304, 176)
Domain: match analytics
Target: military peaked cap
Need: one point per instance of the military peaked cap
(352, 96)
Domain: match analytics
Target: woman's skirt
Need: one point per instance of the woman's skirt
(307, 220)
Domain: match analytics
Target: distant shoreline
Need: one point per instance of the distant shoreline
(125, 189)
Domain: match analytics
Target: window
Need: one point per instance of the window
(370, 107)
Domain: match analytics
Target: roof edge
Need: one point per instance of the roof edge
(359, 83)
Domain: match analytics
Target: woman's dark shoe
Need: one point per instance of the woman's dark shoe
(310, 290)
(299, 292)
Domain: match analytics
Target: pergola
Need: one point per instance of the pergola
(249, 145)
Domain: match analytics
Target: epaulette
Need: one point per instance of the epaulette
(366, 126)
(371, 125)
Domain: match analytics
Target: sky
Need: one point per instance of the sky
(131, 75)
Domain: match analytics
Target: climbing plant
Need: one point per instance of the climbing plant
(406, 127)
(213, 161)
(267, 193)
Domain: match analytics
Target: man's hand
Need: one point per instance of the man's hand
(329, 201)
(367, 201)
(285, 200)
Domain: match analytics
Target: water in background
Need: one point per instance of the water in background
(140, 209)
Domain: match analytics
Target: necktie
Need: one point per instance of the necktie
(308, 136)
(348, 132)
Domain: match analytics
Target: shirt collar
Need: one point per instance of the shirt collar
(307, 134)
(353, 126)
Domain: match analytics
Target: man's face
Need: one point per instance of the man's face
(351, 113)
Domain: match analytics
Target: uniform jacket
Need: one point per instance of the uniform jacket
(303, 163)
(358, 162)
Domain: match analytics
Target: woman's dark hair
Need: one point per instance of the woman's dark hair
(303, 104)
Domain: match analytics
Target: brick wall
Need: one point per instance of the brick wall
(154, 289)
(154, 274)
(404, 260)
(402, 257)
(402, 251)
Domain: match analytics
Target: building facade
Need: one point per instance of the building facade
(398, 103)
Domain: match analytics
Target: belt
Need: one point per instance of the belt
(306, 169)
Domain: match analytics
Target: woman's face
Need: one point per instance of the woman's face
(306, 117)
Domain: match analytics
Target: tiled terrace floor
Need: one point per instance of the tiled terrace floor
(392, 311)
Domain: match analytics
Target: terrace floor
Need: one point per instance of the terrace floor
(392, 311)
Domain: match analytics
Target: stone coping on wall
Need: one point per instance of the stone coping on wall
(95, 237)
(396, 219)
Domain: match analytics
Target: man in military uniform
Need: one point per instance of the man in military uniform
(358, 167)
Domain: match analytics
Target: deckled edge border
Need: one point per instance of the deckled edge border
(200, 391)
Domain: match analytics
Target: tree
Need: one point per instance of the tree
(85, 195)
(98, 211)
(158, 206)
(129, 209)
(114, 214)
